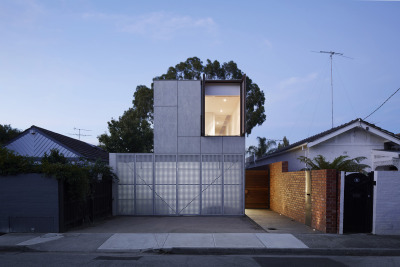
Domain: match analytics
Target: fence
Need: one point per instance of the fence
(158, 184)
(74, 213)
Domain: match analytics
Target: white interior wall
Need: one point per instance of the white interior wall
(209, 123)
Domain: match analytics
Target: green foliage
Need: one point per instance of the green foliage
(341, 163)
(285, 143)
(193, 68)
(12, 164)
(264, 147)
(7, 133)
(132, 132)
(77, 175)
(128, 134)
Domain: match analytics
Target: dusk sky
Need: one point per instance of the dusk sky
(66, 64)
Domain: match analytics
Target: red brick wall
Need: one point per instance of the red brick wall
(287, 196)
(287, 191)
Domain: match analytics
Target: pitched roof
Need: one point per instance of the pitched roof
(325, 133)
(85, 150)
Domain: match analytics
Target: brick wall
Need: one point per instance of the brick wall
(287, 191)
(287, 196)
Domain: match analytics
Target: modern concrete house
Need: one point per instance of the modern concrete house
(197, 167)
(354, 139)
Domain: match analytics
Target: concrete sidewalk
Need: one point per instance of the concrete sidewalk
(205, 243)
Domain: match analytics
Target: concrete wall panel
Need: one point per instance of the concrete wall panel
(211, 145)
(233, 145)
(165, 130)
(189, 108)
(189, 145)
(165, 93)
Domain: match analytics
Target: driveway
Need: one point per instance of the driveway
(159, 224)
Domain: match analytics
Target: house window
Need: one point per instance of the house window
(223, 108)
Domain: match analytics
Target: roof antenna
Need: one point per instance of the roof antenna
(79, 132)
(332, 54)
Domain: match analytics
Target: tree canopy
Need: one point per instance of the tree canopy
(340, 163)
(264, 147)
(7, 133)
(133, 132)
(285, 143)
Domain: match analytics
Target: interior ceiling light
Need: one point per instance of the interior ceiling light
(220, 110)
(224, 99)
(217, 122)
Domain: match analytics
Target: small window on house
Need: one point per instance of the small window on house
(223, 108)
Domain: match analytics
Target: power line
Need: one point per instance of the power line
(382, 104)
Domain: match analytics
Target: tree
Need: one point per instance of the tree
(264, 147)
(7, 133)
(341, 163)
(193, 68)
(132, 132)
(285, 143)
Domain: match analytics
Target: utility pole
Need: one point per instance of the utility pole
(331, 54)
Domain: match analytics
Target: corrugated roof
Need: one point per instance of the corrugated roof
(320, 135)
(86, 150)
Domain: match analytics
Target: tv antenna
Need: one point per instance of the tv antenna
(79, 132)
(331, 54)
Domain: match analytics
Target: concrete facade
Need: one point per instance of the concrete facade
(188, 174)
(177, 122)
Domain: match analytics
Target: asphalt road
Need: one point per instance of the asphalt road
(129, 259)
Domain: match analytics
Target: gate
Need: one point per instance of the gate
(358, 203)
(179, 185)
(257, 189)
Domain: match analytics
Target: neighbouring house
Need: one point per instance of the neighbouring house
(354, 139)
(33, 202)
(35, 142)
(197, 167)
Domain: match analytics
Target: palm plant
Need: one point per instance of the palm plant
(341, 163)
(263, 147)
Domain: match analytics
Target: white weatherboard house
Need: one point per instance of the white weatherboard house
(197, 167)
(354, 139)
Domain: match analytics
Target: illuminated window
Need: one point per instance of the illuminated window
(223, 108)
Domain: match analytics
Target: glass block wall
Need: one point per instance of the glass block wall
(155, 184)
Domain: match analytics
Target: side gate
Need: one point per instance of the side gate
(358, 203)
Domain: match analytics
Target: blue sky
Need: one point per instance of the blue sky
(66, 64)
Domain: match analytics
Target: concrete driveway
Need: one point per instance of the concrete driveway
(186, 224)
(255, 221)
(273, 222)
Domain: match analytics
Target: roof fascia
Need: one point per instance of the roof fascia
(283, 152)
(359, 124)
(335, 133)
(382, 134)
(16, 138)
